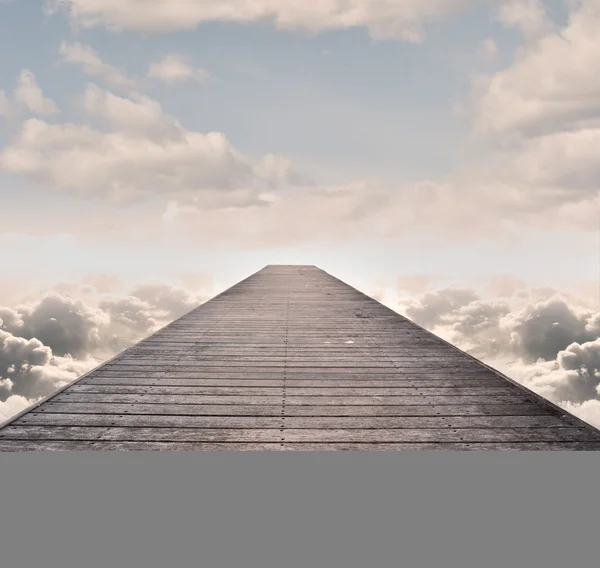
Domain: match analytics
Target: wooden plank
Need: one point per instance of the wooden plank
(276, 409)
(397, 391)
(280, 381)
(246, 369)
(295, 435)
(70, 396)
(248, 374)
(328, 360)
(111, 446)
(310, 422)
(125, 364)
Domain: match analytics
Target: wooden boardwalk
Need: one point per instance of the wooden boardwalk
(292, 358)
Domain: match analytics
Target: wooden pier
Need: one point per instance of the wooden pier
(292, 358)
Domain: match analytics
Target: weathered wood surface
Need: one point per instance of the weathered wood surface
(293, 359)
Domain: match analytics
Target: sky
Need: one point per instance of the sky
(442, 156)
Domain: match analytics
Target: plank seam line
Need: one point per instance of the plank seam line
(321, 428)
(285, 360)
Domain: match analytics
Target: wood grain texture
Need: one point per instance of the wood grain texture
(292, 358)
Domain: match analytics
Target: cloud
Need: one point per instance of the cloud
(550, 345)
(523, 326)
(572, 378)
(398, 19)
(539, 118)
(301, 214)
(568, 161)
(103, 283)
(64, 325)
(146, 308)
(91, 64)
(432, 308)
(5, 105)
(57, 337)
(543, 91)
(504, 285)
(469, 206)
(26, 95)
(131, 149)
(136, 115)
(489, 49)
(144, 152)
(29, 369)
(29, 94)
(529, 16)
(13, 405)
(169, 302)
(541, 339)
(588, 410)
(174, 68)
(75, 321)
(543, 330)
(415, 284)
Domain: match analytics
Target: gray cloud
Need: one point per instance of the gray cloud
(29, 369)
(551, 345)
(56, 338)
(538, 330)
(433, 308)
(543, 330)
(67, 326)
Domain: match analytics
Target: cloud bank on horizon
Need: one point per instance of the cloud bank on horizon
(70, 329)
(266, 126)
(546, 340)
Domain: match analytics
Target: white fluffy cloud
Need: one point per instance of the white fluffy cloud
(85, 57)
(13, 405)
(553, 85)
(136, 116)
(174, 68)
(401, 19)
(574, 377)
(541, 114)
(28, 94)
(28, 368)
(54, 339)
(144, 152)
(527, 15)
